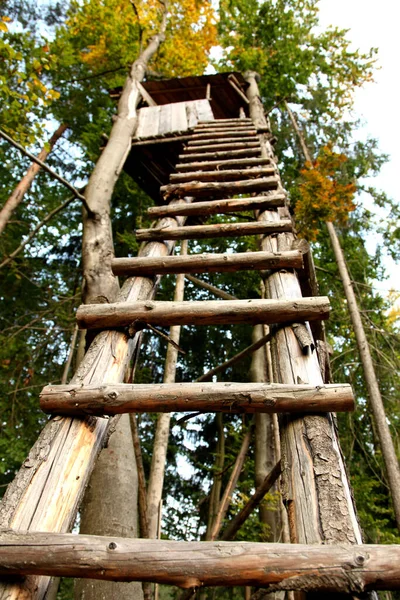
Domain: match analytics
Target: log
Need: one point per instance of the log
(200, 232)
(226, 145)
(117, 399)
(199, 138)
(207, 263)
(222, 188)
(221, 207)
(225, 129)
(227, 122)
(201, 156)
(206, 312)
(221, 164)
(222, 175)
(339, 569)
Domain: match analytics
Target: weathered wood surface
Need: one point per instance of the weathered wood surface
(207, 263)
(213, 165)
(221, 207)
(345, 569)
(230, 134)
(170, 118)
(225, 129)
(222, 175)
(231, 145)
(200, 232)
(221, 188)
(194, 144)
(203, 156)
(205, 397)
(232, 121)
(206, 312)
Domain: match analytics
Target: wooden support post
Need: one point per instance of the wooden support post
(339, 569)
(209, 397)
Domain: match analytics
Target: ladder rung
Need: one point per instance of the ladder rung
(213, 135)
(207, 263)
(223, 146)
(219, 207)
(220, 188)
(342, 569)
(201, 232)
(223, 175)
(203, 156)
(222, 164)
(225, 129)
(193, 143)
(217, 122)
(207, 312)
(113, 399)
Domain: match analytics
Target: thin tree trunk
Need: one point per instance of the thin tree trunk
(156, 479)
(23, 186)
(215, 494)
(113, 485)
(378, 410)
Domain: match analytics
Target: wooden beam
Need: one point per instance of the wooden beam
(209, 188)
(205, 397)
(206, 312)
(235, 145)
(346, 569)
(145, 95)
(221, 164)
(221, 207)
(245, 152)
(227, 139)
(200, 232)
(222, 175)
(226, 128)
(232, 121)
(229, 133)
(207, 263)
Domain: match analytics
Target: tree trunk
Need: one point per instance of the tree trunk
(156, 479)
(111, 500)
(23, 186)
(215, 493)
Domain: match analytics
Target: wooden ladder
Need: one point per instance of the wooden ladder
(226, 167)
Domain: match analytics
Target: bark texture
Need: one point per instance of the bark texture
(221, 206)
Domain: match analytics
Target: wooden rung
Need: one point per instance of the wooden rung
(201, 232)
(207, 312)
(193, 143)
(229, 133)
(225, 129)
(207, 263)
(223, 146)
(205, 156)
(341, 569)
(223, 175)
(217, 122)
(219, 207)
(114, 399)
(222, 164)
(221, 188)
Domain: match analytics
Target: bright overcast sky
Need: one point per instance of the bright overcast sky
(375, 24)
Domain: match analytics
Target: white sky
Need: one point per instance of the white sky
(376, 24)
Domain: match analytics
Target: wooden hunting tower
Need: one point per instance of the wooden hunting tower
(202, 147)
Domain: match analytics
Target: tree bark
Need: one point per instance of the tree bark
(221, 164)
(222, 175)
(222, 153)
(160, 446)
(220, 188)
(221, 206)
(215, 494)
(23, 186)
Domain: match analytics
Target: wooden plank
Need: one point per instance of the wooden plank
(218, 189)
(204, 110)
(178, 118)
(207, 263)
(145, 95)
(223, 174)
(191, 114)
(221, 164)
(221, 207)
(338, 569)
(165, 119)
(149, 118)
(201, 232)
(222, 146)
(206, 312)
(224, 139)
(204, 397)
(245, 152)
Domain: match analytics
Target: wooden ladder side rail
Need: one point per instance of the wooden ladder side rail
(47, 490)
(220, 207)
(221, 188)
(204, 397)
(200, 232)
(315, 486)
(201, 312)
(222, 175)
(195, 564)
(207, 263)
